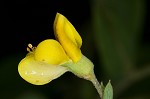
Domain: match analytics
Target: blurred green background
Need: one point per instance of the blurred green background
(116, 38)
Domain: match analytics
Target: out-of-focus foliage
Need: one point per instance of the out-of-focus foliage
(117, 27)
(113, 38)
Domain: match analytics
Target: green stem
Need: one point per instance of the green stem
(97, 86)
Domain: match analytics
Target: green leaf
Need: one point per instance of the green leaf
(108, 91)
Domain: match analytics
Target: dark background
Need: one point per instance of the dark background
(116, 37)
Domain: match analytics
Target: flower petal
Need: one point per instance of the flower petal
(68, 37)
(51, 52)
(38, 73)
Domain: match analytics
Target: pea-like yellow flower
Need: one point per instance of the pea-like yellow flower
(52, 58)
(68, 37)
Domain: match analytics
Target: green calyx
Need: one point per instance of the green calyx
(83, 68)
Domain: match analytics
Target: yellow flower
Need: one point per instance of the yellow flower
(51, 52)
(37, 72)
(52, 58)
(68, 37)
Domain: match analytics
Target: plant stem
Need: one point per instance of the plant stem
(97, 86)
